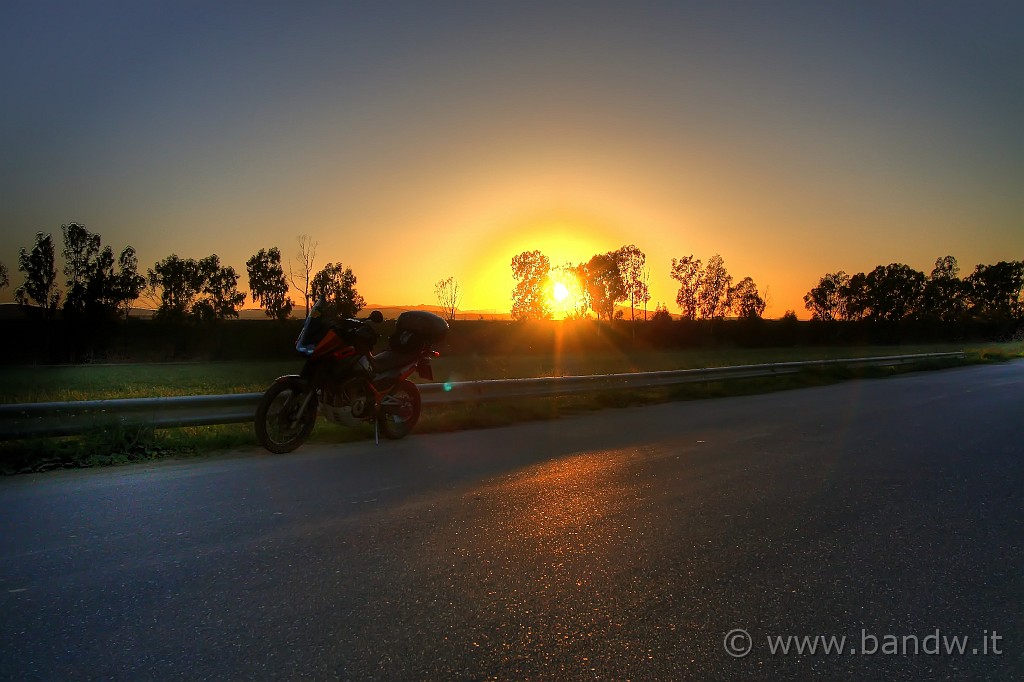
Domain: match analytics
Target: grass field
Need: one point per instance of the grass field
(41, 384)
(25, 384)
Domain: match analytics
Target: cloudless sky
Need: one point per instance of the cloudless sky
(421, 140)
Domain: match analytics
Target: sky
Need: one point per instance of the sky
(420, 140)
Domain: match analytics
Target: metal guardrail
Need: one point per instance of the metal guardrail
(69, 418)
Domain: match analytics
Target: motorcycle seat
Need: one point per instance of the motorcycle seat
(389, 359)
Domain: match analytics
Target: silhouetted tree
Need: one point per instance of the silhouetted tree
(746, 300)
(604, 284)
(449, 295)
(631, 271)
(40, 276)
(4, 279)
(687, 271)
(894, 292)
(661, 314)
(128, 283)
(338, 287)
(220, 285)
(95, 289)
(856, 298)
(714, 288)
(994, 291)
(81, 266)
(943, 296)
(268, 284)
(827, 301)
(177, 281)
(305, 260)
(99, 296)
(530, 270)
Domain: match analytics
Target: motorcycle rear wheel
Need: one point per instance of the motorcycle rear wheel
(279, 427)
(399, 411)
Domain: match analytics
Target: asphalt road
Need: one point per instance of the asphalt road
(623, 544)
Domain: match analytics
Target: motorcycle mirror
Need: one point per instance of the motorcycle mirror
(376, 317)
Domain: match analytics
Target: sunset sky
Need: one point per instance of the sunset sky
(421, 140)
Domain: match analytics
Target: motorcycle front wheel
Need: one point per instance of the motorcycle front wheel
(281, 422)
(399, 410)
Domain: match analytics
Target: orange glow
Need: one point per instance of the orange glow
(565, 293)
(565, 240)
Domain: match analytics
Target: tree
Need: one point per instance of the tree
(661, 314)
(564, 291)
(944, 292)
(449, 295)
(220, 285)
(81, 254)
(746, 300)
(604, 284)
(713, 290)
(128, 283)
(94, 287)
(305, 259)
(995, 291)
(40, 276)
(827, 300)
(268, 284)
(631, 270)
(98, 298)
(687, 271)
(894, 292)
(530, 270)
(4, 280)
(856, 297)
(337, 285)
(178, 282)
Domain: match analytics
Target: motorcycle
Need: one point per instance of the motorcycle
(346, 382)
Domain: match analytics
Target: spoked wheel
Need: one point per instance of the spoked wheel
(399, 410)
(285, 416)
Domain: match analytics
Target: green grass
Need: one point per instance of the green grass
(39, 384)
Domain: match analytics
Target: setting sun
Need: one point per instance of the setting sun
(565, 293)
(559, 292)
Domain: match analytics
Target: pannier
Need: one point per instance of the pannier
(417, 330)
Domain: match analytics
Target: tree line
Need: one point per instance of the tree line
(98, 286)
(706, 291)
(896, 292)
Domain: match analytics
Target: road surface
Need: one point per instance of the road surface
(638, 543)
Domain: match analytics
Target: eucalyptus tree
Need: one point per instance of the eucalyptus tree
(337, 284)
(687, 271)
(827, 300)
(40, 287)
(714, 289)
(530, 270)
(604, 284)
(631, 271)
(268, 283)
